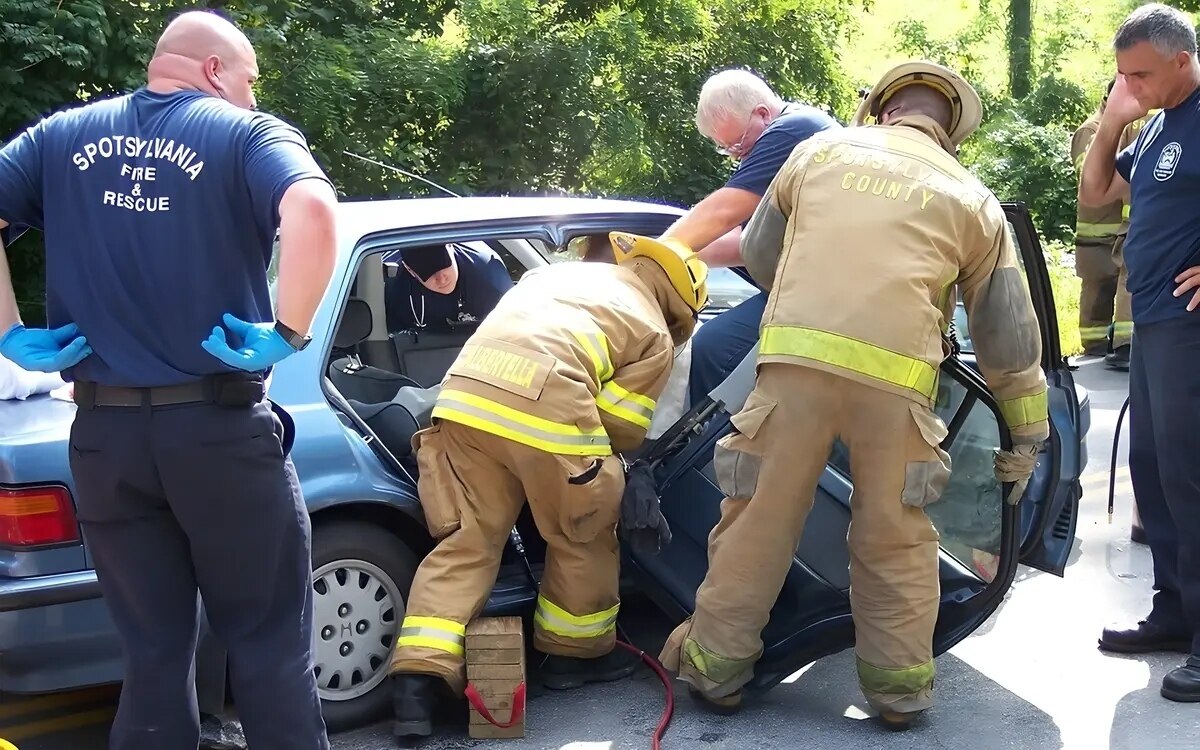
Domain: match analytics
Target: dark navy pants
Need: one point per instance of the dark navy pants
(721, 344)
(1164, 464)
(175, 500)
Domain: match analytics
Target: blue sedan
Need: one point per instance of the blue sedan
(359, 392)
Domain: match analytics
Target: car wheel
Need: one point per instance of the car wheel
(361, 577)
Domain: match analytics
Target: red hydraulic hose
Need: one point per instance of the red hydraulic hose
(669, 707)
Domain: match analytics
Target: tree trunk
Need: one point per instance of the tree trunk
(1020, 49)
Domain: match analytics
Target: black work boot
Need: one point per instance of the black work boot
(726, 705)
(1119, 358)
(1146, 638)
(568, 672)
(413, 699)
(1183, 684)
(898, 721)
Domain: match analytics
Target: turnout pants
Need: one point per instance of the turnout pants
(1164, 443)
(769, 468)
(1103, 298)
(175, 500)
(472, 487)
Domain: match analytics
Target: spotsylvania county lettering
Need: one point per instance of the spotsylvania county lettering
(131, 147)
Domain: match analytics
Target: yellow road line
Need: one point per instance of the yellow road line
(35, 704)
(61, 724)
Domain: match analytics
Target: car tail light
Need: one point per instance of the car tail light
(36, 516)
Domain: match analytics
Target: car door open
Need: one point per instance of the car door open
(982, 538)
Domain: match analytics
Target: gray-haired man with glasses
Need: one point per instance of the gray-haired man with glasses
(750, 123)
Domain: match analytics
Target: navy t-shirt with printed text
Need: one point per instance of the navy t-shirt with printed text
(159, 213)
(1163, 170)
(796, 123)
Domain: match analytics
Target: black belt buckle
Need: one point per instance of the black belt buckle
(237, 390)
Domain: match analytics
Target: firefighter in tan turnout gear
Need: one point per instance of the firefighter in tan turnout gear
(861, 240)
(1099, 262)
(559, 377)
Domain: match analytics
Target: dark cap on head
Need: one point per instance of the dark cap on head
(426, 260)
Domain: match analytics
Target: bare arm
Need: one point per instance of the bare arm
(9, 314)
(714, 216)
(307, 250)
(724, 251)
(1099, 183)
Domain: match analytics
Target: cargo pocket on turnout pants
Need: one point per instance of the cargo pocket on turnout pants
(737, 459)
(926, 476)
(438, 487)
(590, 502)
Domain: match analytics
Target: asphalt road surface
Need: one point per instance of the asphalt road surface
(1031, 677)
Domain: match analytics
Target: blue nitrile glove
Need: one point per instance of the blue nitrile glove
(44, 350)
(261, 345)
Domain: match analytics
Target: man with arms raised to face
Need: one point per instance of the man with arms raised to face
(1157, 68)
(159, 210)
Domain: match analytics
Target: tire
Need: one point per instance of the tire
(361, 578)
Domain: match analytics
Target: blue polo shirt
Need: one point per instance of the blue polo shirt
(482, 281)
(159, 212)
(796, 123)
(1163, 170)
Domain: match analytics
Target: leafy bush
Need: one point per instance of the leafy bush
(1021, 161)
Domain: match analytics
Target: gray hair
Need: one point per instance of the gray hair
(732, 94)
(1168, 29)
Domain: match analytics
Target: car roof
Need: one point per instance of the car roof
(362, 217)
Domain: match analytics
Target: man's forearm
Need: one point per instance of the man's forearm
(1096, 182)
(724, 251)
(713, 217)
(9, 313)
(307, 251)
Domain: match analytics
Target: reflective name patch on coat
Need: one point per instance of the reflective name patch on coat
(507, 367)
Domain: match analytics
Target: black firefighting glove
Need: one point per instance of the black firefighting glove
(642, 521)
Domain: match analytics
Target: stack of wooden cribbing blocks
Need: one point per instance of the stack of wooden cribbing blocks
(495, 667)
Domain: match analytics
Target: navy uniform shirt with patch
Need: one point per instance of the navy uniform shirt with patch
(159, 212)
(482, 281)
(1163, 170)
(796, 123)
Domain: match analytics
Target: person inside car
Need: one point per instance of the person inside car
(443, 288)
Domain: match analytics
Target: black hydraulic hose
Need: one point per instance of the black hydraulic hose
(1112, 470)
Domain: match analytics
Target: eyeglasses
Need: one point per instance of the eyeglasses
(736, 148)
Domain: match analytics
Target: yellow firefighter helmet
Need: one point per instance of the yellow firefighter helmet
(687, 273)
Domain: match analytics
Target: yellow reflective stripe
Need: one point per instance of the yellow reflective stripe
(1125, 212)
(1094, 229)
(1123, 328)
(625, 404)
(435, 633)
(555, 619)
(903, 681)
(719, 669)
(1018, 412)
(507, 422)
(851, 354)
(596, 346)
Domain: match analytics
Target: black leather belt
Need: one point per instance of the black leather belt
(225, 390)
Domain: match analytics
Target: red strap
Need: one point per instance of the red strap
(518, 707)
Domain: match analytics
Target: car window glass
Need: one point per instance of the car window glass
(968, 515)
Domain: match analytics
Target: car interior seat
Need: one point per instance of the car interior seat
(395, 421)
(357, 381)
